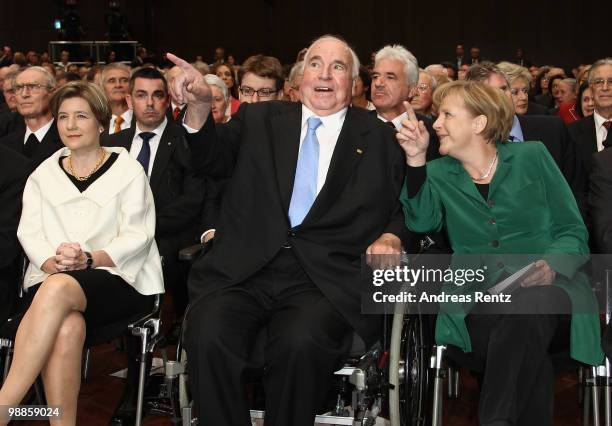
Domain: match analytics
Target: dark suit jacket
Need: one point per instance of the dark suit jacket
(600, 201)
(583, 132)
(357, 204)
(10, 122)
(50, 143)
(178, 191)
(551, 131)
(534, 108)
(14, 170)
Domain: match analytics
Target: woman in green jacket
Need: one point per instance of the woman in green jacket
(505, 204)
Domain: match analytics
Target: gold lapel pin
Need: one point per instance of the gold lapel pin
(359, 151)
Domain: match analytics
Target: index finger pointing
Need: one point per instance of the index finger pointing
(178, 61)
(411, 115)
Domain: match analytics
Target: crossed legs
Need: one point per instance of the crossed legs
(50, 340)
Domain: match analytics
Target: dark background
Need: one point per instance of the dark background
(561, 32)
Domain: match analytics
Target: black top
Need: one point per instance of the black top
(82, 185)
(417, 175)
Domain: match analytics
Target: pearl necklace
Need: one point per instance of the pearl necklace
(95, 169)
(488, 173)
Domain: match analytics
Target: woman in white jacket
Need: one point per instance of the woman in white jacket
(87, 227)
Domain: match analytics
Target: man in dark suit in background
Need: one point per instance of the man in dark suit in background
(460, 58)
(33, 88)
(10, 119)
(591, 132)
(160, 146)
(14, 170)
(314, 187)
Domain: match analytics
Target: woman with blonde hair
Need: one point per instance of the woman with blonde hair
(504, 205)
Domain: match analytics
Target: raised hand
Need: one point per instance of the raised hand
(189, 86)
(413, 138)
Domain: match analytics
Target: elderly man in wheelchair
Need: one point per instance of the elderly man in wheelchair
(313, 187)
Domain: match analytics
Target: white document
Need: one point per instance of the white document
(513, 282)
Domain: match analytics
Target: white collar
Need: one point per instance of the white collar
(159, 130)
(599, 120)
(333, 121)
(397, 121)
(40, 133)
(117, 177)
(174, 106)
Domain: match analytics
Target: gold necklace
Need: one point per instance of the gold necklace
(96, 167)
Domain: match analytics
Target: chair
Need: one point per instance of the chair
(142, 325)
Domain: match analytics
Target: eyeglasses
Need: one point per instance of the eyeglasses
(261, 93)
(31, 87)
(515, 92)
(423, 87)
(599, 82)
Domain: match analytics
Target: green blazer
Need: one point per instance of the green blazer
(530, 209)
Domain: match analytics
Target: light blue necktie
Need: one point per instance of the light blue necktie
(305, 183)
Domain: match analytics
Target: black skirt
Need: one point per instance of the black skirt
(110, 299)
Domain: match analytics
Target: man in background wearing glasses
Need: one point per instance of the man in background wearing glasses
(33, 88)
(261, 79)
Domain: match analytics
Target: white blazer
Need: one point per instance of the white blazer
(115, 213)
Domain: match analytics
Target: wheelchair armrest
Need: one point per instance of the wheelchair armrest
(191, 253)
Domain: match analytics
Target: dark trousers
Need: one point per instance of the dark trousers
(512, 352)
(305, 341)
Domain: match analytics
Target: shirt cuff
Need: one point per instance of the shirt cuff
(206, 233)
(189, 129)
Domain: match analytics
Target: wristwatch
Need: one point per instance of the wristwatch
(89, 261)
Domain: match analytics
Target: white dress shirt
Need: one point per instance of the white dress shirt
(327, 135)
(40, 133)
(600, 130)
(127, 121)
(397, 121)
(153, 143)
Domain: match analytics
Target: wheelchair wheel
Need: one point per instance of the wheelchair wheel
(411, 343)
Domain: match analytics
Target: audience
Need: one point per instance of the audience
(260, 79)
(33, 89)
(142, 101)
(220, 98)
(422, 99)
(362, 90)
(114, 79)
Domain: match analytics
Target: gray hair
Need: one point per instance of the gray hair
(354, 57)
(114, 66)
(597, 64)
(571, 82)
(514, 71)
(202, 67)
(400, 53)
(213, 80)
(296, 69)
(432, 80)
(45, 72)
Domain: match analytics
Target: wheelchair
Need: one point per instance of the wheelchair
(401, 369)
